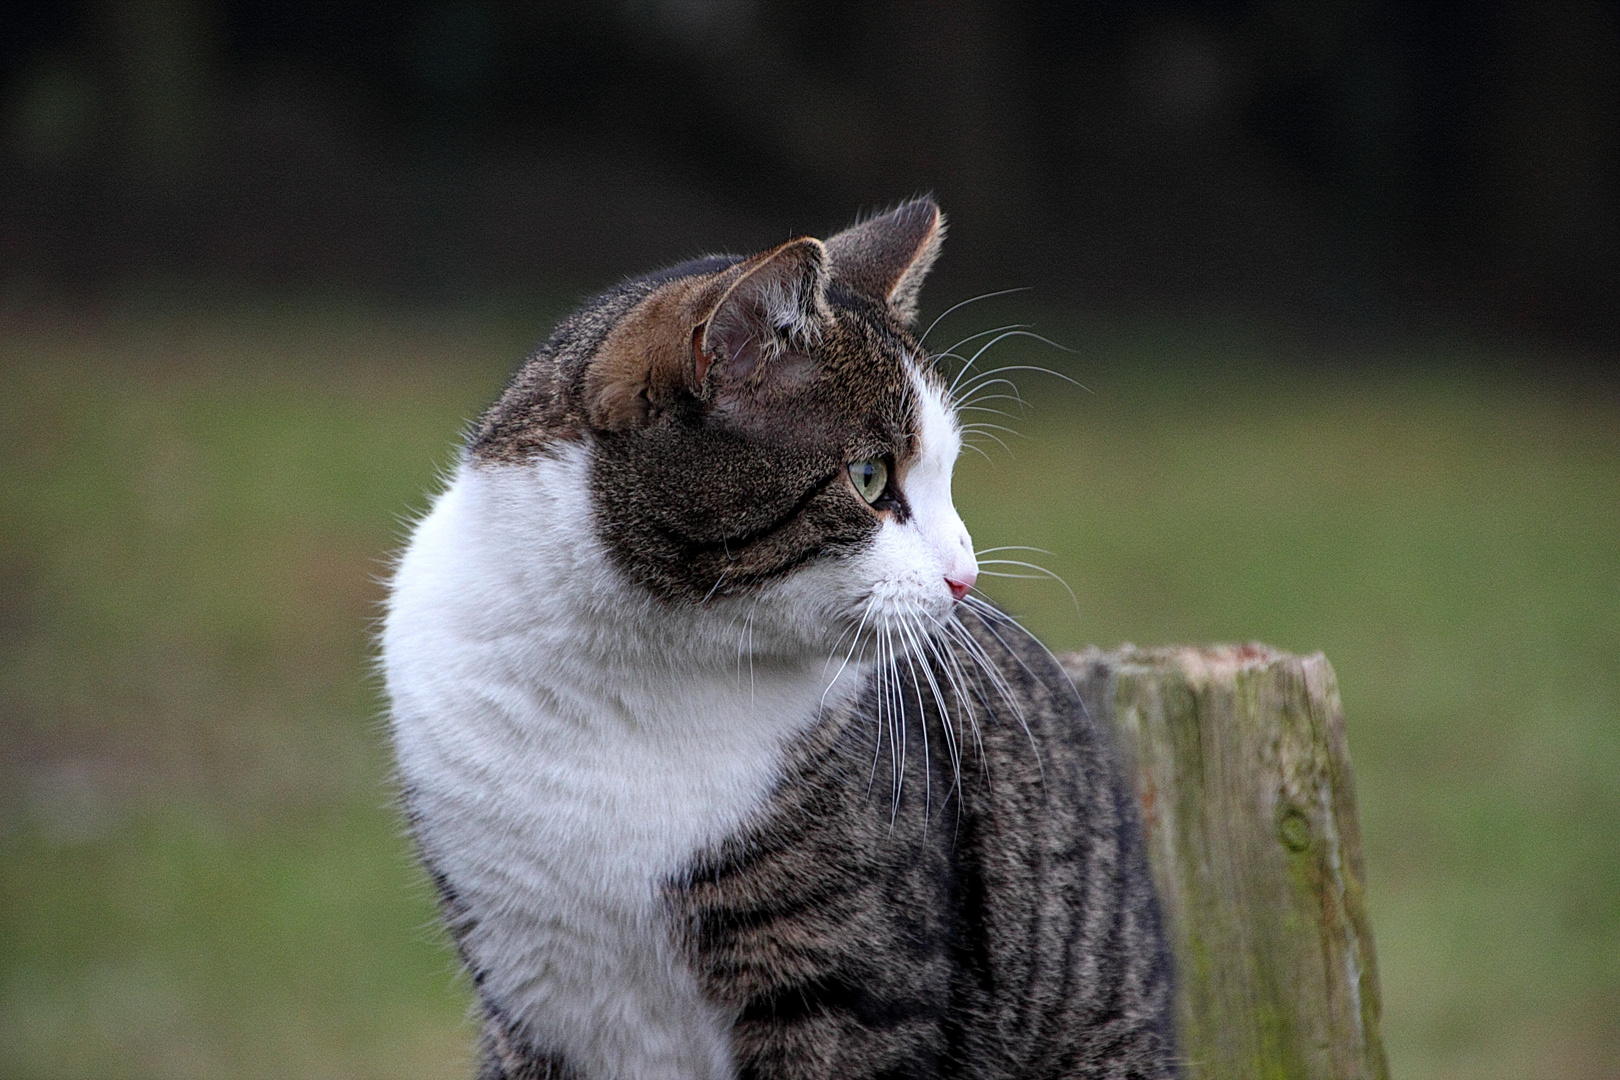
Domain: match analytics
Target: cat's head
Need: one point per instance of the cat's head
(765, 430)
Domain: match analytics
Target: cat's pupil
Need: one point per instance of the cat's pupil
(871, 477)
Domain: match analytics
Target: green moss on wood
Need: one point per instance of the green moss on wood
(1248, 808)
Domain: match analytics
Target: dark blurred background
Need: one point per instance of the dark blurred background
(1328, 164)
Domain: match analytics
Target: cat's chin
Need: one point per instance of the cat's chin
(831, 608)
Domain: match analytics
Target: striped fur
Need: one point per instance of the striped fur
(895, 847)
(1005, 927)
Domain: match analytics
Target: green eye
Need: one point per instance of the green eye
(870, 476)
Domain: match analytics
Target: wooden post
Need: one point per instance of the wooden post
(1243, 775)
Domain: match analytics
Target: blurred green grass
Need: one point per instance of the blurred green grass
(200, 874)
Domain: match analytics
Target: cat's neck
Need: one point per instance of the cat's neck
(537, 594)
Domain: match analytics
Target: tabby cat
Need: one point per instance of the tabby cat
(720, 767)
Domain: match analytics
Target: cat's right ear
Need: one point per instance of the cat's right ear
(887, 257)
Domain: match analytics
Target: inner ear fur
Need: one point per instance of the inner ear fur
(886, 258)
(719, 329)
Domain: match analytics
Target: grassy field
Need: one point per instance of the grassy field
(200, 874)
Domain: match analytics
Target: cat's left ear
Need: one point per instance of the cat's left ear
(723, 337)
(886, 258)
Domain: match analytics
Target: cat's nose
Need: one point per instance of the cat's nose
(960, 582)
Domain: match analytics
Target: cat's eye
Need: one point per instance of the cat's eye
(871, 478)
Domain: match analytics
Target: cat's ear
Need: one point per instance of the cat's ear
(733, 331)
(887, 257)
(775, 305)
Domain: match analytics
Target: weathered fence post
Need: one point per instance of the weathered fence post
(1243, 776)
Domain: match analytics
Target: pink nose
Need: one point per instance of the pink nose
(960, 584)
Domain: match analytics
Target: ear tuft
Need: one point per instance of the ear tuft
(776, 304)
(887, 257)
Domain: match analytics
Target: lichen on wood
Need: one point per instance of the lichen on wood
(1243, 778)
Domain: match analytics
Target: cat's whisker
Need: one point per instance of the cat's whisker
(1039, 571)
(979, 393)
(1022, 629)
(986, 427)
(1009, 332)
(899, 715)
(985, 409)
(752, 687)
(922, 723)
(973, 401)
(976, 449)
(948, 716)
(967, 365)
(724, 570)
(988, 435)
(747, 634)
(984, 381)
(985, 333)
(964, 303)
(897, 724)
(924, 644)
(877, 743)
(952, 630)
(989, 616)
(976, 382)
(866, 613)
(921, 644)
(999, 681)
(851, 634)
(951, 352)
(880, 676)
(983, 608)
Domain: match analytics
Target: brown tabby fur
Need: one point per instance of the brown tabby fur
(968, 899)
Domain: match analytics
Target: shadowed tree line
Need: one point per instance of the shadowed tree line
(1347, 162)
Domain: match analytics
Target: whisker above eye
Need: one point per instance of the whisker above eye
(993, 330)
(976, 449)
(975, 381)
(965, 303)
(1010, 332)
(975, 393)
(989, 435)
(982, 333)
(994, 397)
(984, 425)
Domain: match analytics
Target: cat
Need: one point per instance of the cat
(718, 765)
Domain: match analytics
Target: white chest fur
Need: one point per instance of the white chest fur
(568, 752)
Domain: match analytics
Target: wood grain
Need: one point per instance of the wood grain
(1248, 806)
